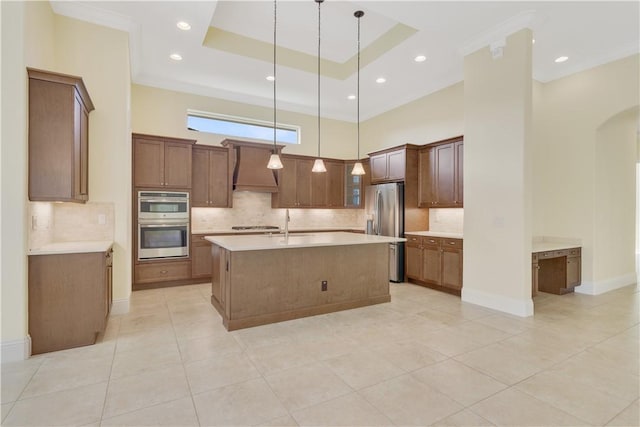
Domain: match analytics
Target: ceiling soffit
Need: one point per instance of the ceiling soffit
(237, 44)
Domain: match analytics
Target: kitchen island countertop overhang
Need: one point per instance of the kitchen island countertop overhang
(279, 241)
(264, 279)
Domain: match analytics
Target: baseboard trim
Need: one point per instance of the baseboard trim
(15, 350)
(522, 308)
(120, 306)
(607, 285)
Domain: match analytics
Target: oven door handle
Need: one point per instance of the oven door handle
(157, 200)
(162, 223)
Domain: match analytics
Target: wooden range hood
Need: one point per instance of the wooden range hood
(250, 171)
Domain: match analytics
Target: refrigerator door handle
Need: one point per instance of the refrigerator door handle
(378, 212)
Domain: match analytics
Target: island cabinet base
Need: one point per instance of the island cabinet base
(251, 288)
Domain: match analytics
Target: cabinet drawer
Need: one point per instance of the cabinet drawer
(161, 272)
(413, 241)
(553, 254)
(431, 241)
(452, 243)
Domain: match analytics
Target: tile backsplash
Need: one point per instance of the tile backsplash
(251, 208)
(69, 222)
(446, 220)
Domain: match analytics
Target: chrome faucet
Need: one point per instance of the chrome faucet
(287, 218)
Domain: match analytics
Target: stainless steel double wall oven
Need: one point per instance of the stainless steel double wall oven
(163, 224)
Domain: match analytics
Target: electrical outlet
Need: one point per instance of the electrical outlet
(324, 285)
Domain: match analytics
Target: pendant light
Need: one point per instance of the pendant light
(274, 160)
(318, 165)
(357, 167)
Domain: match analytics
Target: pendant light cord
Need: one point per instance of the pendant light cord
(275, 80)
(358, 86)
(319, 3)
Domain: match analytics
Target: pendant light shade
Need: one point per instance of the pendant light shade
(274, 160)
(318, 165)
(358, 169)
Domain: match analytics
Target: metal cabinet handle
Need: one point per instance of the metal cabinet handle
(452, 243)
(163, 271)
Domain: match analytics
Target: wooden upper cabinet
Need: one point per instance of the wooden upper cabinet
(441, 174)
(388, 166)
(354, 185)
(327, 188)
(303, 182)
(59, 107)
(210, 180)
(162, 162)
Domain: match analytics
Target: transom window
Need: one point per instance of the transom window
(242, 127)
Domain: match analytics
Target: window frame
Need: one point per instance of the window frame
(245, 121)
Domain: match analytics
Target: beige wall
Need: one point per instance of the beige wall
(497, 177)
(101, 56)
(431, 118)
(32, 36)
(568, 115)
(615, 194)
(163, 112)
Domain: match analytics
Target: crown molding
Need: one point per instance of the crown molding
(501, 31)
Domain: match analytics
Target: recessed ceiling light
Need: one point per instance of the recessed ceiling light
(271, 78)
(420, 58)
(561, 58)
(176, 57)
(351, 97)
(184, 26)
(381, 80)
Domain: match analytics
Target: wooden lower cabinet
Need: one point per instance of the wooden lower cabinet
(200, 257)
(168, 271)
(434, 262)
(70, 299)
(556, 272)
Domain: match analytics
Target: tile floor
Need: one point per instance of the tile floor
(423, 359)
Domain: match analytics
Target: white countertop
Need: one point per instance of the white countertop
(291, 230)
(444, 234)
(277, 241)
(552, 246)
(71, 248)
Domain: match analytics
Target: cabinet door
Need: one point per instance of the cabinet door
(319, 188)
(414, 257)
(574, 267)
(177, 165)
(217, 271)
(148, 166)
(378, 167)
(451, 263)
(534, 278)
(200, 177)
(219, 179)
(431, 263)
(286, 195)
(425, 181)
(108, 300)
(83, 178)
(335, 184)
(303, 182)
(459, 174)
(201, 260)
(396, 163)
(445, 174)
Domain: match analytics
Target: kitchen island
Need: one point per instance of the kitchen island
(269, 278)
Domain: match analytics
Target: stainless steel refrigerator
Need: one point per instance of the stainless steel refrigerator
(385, 207)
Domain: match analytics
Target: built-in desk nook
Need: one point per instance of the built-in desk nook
(555, 267)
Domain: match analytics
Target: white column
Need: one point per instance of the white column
(497, 176)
